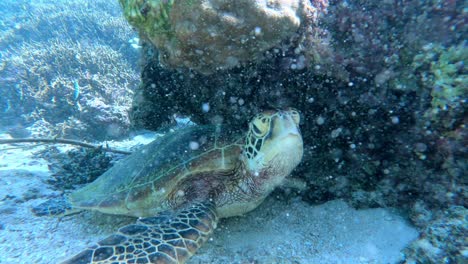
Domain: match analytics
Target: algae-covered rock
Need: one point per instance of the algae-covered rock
(207, 35)
(442, 77)
(450, 77)
(443, 241)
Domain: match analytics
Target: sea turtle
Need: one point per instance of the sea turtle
(181, 184)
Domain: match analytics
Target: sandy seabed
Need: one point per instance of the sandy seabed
(276, 232)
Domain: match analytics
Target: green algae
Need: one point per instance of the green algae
(149, 17)
(450, 77)
(444, 73)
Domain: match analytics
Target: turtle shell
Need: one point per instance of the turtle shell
(142, 183)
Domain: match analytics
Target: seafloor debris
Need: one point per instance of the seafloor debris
(76, 167)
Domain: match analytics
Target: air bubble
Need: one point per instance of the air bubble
(320, 120)
(206, 107)
(194, 145)
(258, 31)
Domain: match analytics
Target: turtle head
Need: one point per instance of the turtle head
(273, 146)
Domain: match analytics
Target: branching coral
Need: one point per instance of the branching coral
(65, 63)
(82, 21)
(61, 79)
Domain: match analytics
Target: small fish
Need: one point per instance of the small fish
(8, 107)
(76, 93)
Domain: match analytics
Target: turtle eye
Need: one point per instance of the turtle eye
(260, 126)
(256, 130)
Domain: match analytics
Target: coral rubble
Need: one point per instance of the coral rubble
(77, 166)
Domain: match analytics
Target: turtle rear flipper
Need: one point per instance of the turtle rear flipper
(166, 238)
(53, 207)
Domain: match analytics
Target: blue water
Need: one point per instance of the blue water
(381, 88)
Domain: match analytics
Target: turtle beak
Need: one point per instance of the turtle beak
(288, 126)
(289, 144)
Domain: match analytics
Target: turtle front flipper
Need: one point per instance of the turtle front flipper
(166, 238)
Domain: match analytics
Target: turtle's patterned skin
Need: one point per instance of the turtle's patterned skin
(159, 239)
(182, 183)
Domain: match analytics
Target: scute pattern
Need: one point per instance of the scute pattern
(165, 240)
(180, 190)
(139, 184)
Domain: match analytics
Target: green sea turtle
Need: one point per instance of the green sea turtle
(181, 184)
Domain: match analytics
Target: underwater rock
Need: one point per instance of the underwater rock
(352, 41)
(210, 35)
(231, 97)
(370, 141)
(443, 241)
(444, 77)
(378, 39)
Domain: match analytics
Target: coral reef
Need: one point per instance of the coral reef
(210, 35)
(81, 21)
(75, 80)
(381, 85)
(450, 77)
(72, 87)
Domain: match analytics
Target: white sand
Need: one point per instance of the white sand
(295, 232)
(276, 232)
